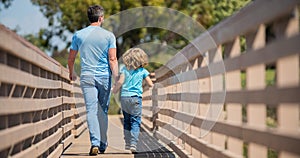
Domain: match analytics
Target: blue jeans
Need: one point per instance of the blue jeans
(132, 112)
(96, 92)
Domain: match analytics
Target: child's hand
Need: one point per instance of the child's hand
(114, 90)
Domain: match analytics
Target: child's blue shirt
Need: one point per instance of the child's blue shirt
(133, 83)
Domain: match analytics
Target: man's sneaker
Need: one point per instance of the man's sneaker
(127, 147)
(133, 149)
(101, 151)
(103, 148)
(93, 151)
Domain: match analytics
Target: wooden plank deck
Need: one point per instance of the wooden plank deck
(147, 146)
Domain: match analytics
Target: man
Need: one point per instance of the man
(97, 48)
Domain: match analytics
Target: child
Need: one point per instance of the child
(131, 79)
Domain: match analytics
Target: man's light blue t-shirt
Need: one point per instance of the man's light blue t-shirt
(93, 43)
(133, 84)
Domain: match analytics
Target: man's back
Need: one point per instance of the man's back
(93, 43)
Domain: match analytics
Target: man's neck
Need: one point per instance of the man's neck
(95, 24)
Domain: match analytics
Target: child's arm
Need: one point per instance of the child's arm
(149, 81)
(118, 84)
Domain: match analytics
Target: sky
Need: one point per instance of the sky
(27, 19)
(24, 16)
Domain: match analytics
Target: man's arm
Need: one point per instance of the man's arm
(71, 60)
(113, 62)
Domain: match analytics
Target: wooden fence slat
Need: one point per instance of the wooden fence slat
(67, 141)
(243, 22)
(28, 74)
(38, 149)
(239, 24)
(64, 73)
(22, 105)
(288, 114)
(68, 127)
(234, 111)
(67, 86)
(80, 110)
(208, 149)
(275, 139)
(268, 54)
(255, 79)
(19, 77)
(270, 95)
(79, 120)
(16, 134)
(68, 100)
(16, 45)
(272, 42)
(80, 129)
(76, 90)
(57, 152)
(68, 113)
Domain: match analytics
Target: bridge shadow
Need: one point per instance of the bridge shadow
(148, 146)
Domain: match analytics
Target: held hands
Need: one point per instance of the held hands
(114, 89)
(117, 85)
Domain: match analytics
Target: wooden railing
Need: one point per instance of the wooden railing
(39, 115)
(244, 72)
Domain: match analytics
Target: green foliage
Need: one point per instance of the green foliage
(270, 77)
(245, 150)
(208, 12)
(272, 153)
(243, 79)
(62, 57)
(152, 66)
(68, 16)
(271, 120)
(40, 40)
(114, 108)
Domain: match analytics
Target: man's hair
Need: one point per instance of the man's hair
(135, 58)
(94, 12)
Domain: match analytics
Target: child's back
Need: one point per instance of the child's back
(131, 80)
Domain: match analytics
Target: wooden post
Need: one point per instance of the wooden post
(154, 107)
(255, 75)
(288, 76)
(216, 86)
(233, 83)
(195, 108)
(204, 85)
(181, 88)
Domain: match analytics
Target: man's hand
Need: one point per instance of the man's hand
(71, 59)
(72, 77)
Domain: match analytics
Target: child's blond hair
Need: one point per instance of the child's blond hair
(135, 58)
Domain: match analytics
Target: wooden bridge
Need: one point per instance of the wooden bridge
(214, 98)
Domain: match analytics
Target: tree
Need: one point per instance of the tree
(68, 16)
(41, 40)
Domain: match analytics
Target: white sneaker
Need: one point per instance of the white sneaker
(127, 147)
(133, 149)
